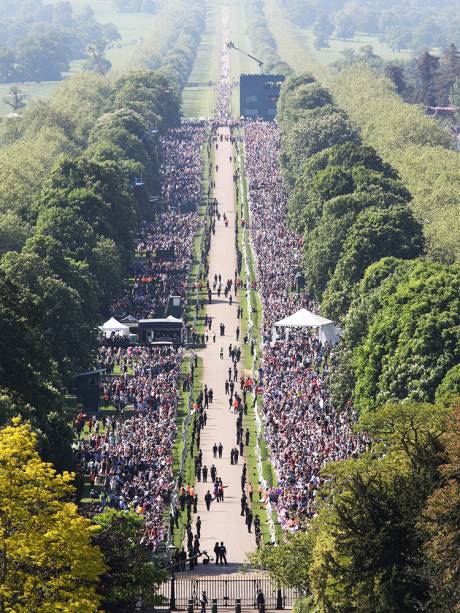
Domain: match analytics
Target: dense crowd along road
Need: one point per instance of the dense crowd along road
(303, 430)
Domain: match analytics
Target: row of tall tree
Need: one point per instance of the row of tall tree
(81, 221)
(69, 206)
(38, 41)
(376, 543)
(67, 227)
(437, 80)
(263, 43)
(349, 205)
(174, 41)
(135, 6)
(364, 256)
(417, 146)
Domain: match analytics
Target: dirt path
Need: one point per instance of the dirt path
(223, 522)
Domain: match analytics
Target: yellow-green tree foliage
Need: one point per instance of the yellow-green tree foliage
(48, 562)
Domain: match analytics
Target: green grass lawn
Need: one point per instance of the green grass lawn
(199, 96)
(33, 91)
(133, 28)
(336, 46)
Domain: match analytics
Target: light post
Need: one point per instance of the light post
(172, 596)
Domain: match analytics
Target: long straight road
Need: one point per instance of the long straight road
(223, 522)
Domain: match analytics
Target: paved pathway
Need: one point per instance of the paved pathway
(223, 522)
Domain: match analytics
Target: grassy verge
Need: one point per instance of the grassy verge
(183, 410)
(254, 304)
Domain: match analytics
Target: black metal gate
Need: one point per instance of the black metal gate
(227, 591)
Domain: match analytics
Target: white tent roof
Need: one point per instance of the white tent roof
(113, 324)
(303, 319)
(169, 319)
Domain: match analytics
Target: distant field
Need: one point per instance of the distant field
(133, 28)
(336, 46)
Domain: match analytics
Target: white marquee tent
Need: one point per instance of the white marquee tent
(113, 326)
(306, 319)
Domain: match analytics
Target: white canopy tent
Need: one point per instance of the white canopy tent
(112, 326)
(327, 330)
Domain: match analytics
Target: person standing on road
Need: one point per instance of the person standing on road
(223, 553)
(220, 450)
(249, 517)
(217, 552)
(243, 504)
(208, 500)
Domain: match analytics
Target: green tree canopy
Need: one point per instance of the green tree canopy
(376, 233)
(412, 340)
(131, 573)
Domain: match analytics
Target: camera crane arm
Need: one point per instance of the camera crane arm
(231, 45)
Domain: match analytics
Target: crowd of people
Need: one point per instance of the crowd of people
(302, 428)
(182, 165)
(278, 248)
(128, 455)
(165, 246)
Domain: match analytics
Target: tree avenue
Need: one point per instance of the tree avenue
(346, 206)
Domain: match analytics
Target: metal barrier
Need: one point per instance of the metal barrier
(225, 592)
